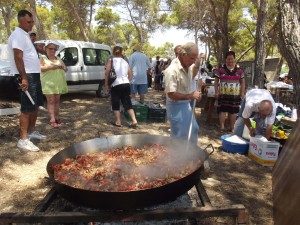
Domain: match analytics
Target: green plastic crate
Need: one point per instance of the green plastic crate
(157, 115)
(140, 111)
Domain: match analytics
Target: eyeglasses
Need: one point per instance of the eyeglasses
(52, 49)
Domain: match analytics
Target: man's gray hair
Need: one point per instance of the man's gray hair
(266, 105)
(187, 48)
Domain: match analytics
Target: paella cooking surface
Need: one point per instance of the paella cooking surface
(125, 169)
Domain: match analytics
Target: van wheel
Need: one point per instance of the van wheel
(101, 93)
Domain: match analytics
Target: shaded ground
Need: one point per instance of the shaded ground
(232, 178)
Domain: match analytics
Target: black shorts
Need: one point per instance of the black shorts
(121, 93)
(35, 91)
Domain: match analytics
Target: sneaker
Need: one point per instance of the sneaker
(36, 135)
(27, 145)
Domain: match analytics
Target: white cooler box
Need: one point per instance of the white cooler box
(265, 153)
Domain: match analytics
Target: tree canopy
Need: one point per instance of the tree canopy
(217, 24)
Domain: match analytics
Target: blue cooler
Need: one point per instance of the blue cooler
(234, 147)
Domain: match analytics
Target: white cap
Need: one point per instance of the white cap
(283, 75)
(48, 42)
(119, 45)
(31, 32)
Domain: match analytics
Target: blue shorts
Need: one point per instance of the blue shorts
(139, 89)
(35, 91)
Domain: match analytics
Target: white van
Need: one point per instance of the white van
(86, 65)
(85, 61)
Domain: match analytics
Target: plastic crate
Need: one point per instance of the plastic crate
(140, 111)
(157, 115)
(234, 147)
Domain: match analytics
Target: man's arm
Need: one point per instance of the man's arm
(243, 85)
(269, 131)
(18, 55)
(178, 96)
(249, 125)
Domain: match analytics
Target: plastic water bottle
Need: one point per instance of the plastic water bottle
(294, 114)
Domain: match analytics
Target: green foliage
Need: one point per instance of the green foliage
(106, 18)
(145, 17)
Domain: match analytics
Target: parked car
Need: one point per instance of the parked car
(86, 66)
(8, 84)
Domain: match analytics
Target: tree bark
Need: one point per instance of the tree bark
(261, 36)
(39, 26)
(289, 41)
(78, 19)
(278, 67)
(6, 9)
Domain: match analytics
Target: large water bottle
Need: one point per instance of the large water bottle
(294, 114)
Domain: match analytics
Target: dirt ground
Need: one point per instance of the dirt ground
(231, 179)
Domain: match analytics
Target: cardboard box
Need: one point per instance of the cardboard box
(264, 153)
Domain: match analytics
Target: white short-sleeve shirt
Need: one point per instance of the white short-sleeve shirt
(177, 79)
(20, 39)
(253, 99)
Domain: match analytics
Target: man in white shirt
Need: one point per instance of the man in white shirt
(260, 105)
(178, 81)
(25, 65)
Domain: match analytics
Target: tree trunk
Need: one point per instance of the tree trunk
(7, 17)
(78, 19)
(261, 35)
(6, 9)
(278, 67)
(39, 26)
(224, 28)
(289, 41)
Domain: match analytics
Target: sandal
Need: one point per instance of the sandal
(134, 125)
(58, 121)
(54, 124)
(115, 124)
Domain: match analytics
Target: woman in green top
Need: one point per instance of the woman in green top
(53, 81)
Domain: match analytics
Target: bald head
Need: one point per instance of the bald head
(265, 108)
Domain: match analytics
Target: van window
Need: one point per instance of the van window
(69, 56)
(95, 57)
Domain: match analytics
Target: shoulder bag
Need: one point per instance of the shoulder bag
(112, 76)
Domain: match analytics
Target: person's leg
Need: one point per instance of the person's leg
(115, 103)
(51, 108)
(24, 124)
(142, 98)
(133, 91)
(118, 117)
(32, 121)
(232, 119)
(239, 127)
(142, 90)
(56, 106)
(126, 102)
(222, 118)
(132, 116)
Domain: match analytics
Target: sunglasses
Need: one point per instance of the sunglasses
(52, 49)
